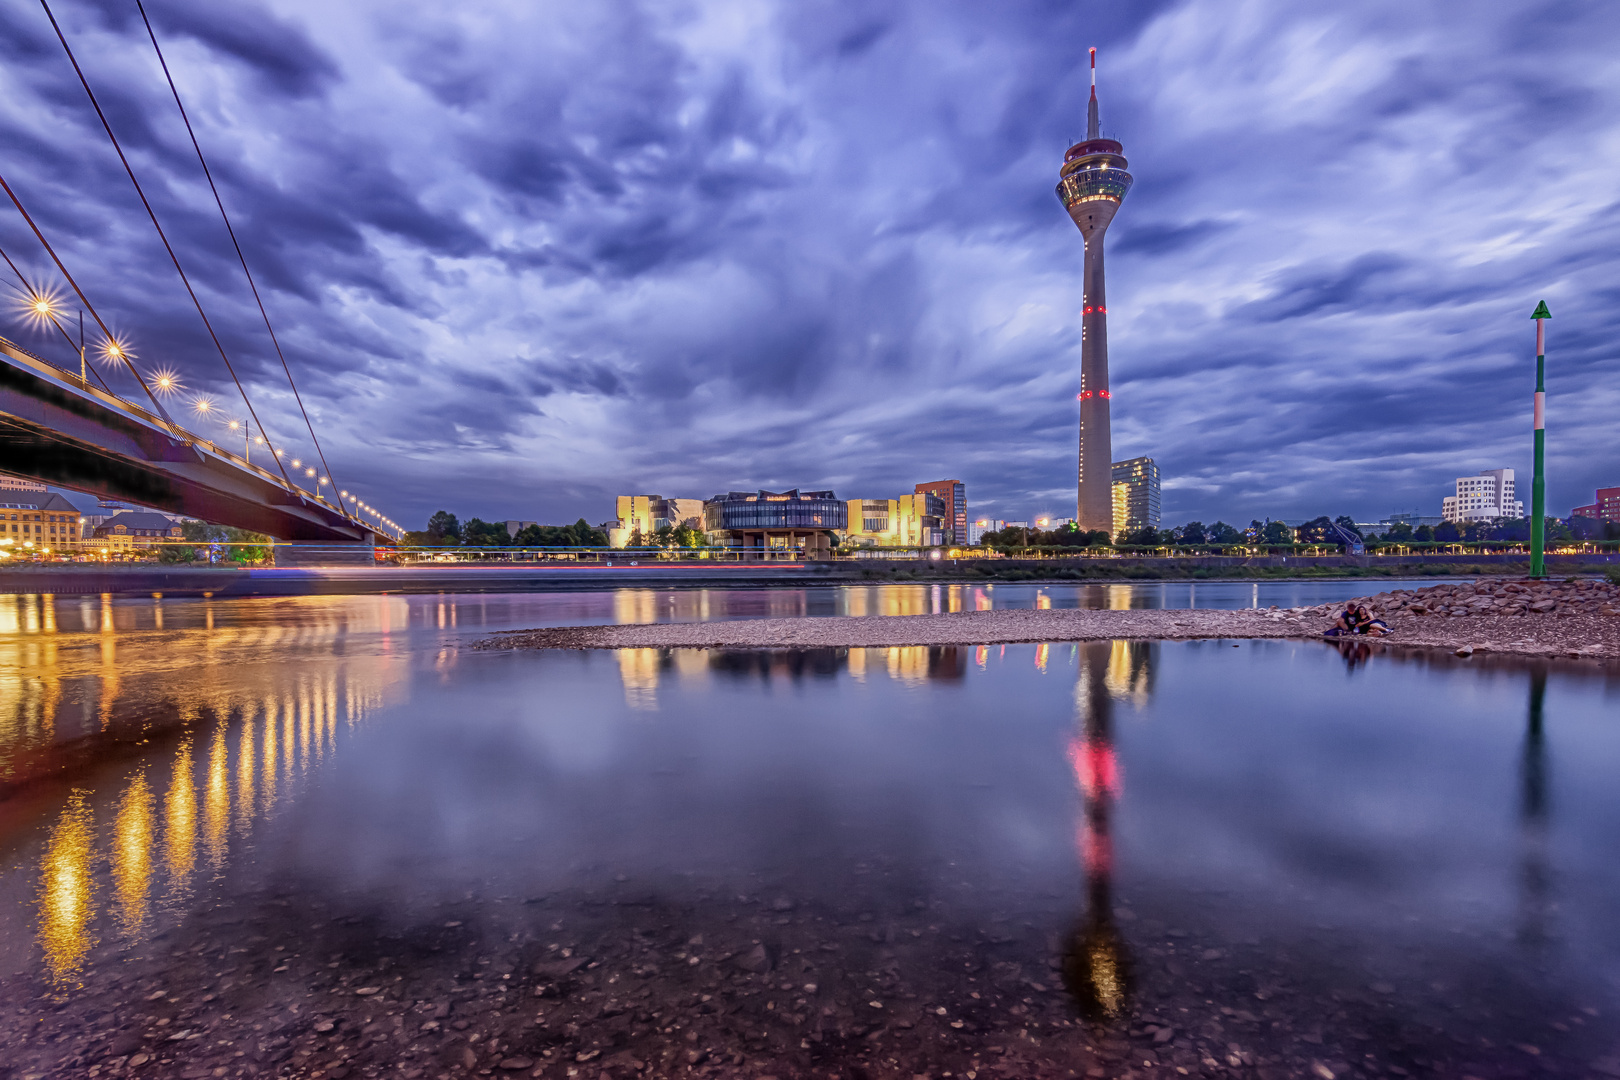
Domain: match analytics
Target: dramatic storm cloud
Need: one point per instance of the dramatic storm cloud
(526, 256)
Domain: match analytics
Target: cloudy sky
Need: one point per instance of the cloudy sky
(528, 255)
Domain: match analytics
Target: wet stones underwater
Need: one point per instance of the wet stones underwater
(624, 981)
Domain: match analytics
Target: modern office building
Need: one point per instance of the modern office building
(1483, 497)
(915, 520)
(764, 522)
(41, 519)
(872, 522)
(922, 520)
(954, 492)
(1137, 506)
(1606, 507)
(649, 513)
(1091, 185)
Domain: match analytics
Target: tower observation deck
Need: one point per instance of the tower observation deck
(1091, 185)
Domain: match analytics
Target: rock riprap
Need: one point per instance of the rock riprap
(1565, 599)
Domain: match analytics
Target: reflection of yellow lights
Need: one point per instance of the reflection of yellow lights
(217, 798)
(1105, 978)
(180, 819)
(65, 892)
(267, 777)
(907, 663)
(1043, 653)
(638, 669)
(132, 855)
(245, 764)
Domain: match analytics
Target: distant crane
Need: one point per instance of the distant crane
(1351, 541)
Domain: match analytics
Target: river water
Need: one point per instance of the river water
(323, 837)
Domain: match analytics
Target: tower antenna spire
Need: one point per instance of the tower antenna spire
(1093, 128)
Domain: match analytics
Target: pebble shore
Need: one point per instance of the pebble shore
(631, 982)
(1579, 619)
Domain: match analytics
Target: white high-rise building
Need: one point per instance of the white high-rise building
(1480, 498)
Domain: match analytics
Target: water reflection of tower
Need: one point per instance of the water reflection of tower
(1534, 876)
(1096, 966)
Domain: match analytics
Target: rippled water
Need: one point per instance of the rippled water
(1216, 857)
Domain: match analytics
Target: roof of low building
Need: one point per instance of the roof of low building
(49, 502)
(138, 519)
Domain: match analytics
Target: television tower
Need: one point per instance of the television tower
(1091, 186)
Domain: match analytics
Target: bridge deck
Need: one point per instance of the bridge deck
(57, 429)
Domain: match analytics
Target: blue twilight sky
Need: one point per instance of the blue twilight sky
(525, 256)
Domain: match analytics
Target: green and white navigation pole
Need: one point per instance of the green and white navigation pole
(1538, 484)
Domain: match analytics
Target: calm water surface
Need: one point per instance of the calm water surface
(238, 821)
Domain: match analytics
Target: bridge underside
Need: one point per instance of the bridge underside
(57, 431)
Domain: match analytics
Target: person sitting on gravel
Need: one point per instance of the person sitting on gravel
(1356, 619)
(1367, 624)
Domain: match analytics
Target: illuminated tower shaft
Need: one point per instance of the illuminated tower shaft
(1092, 184)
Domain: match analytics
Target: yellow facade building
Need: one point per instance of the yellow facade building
(649, 513)
(33, 521)
(915, 520)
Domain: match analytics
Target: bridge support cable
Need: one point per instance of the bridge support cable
(174, 258)
(31, 292)
(219, 202)
(106, 333)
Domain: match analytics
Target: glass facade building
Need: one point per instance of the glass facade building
(793, 521)
(1139, 500)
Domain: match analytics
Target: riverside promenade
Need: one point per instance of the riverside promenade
(620, 572)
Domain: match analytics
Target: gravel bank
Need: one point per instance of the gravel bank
(1547, 619)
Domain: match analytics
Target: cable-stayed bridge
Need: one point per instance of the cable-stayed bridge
(57, 428)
